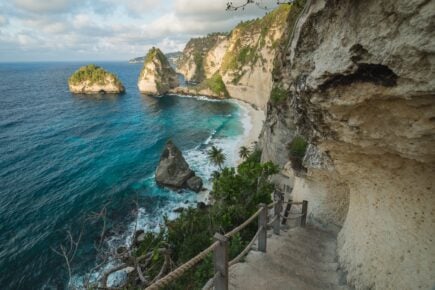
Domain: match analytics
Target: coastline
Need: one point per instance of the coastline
(252, 127)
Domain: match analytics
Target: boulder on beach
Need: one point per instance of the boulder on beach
(173, 171)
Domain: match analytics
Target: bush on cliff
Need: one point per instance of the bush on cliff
(93, 74)
(296, 150)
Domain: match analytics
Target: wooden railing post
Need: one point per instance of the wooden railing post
(304, 213)
(262, 227)
(286, 212)
(277, 214)
(220, 260)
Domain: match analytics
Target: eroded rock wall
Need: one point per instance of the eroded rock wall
(359, 77)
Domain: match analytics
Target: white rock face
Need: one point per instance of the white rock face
(87, 87)
(244, 59)
(360, 77)
(157, 76)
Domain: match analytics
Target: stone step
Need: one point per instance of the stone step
(298, 258)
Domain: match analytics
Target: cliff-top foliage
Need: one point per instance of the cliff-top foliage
(197, 48)
(155, 53)
(94, 75)
(256, 31)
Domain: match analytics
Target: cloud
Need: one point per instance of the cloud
(3, 20)
(108, 29)
(45, 6)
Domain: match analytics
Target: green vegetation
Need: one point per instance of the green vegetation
(94, 75)
(216, 156)
(244, 54)
(296, 149)
(237, 194)
(198, 48)
(215, 84)
(278, 95)
(154, 53)
(244, 152)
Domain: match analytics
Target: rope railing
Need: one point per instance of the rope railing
(220, 247)
(246, 249)
(293, 216)
(165, 281)
(243, 225)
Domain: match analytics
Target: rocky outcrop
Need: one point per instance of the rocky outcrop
(157, 76)
(243, 59)
(172, 58)
(92, 79)
(358, 81)
(174, 172)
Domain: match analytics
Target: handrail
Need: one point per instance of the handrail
(183, 268)
(293, 217)
(246, 249)
(186, 266)
(166, 280)
(243, 225)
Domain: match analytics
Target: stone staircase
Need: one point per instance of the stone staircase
(299, 258)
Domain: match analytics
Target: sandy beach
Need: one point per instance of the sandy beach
(252, 125)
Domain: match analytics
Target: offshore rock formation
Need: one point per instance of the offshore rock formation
(174, 172)
(157, 75)
(172, 58)
(359, 83)
(92, 79)
(243, 59)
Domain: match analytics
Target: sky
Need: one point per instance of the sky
(79, 30)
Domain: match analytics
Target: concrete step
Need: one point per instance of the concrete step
(299, 258)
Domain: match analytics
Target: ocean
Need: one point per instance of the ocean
(65, 157)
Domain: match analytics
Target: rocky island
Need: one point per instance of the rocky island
(157, 75)
(174, 172)
(92, 79)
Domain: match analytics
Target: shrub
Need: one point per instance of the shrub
(93, 74)
(278, 95)
(297, 148)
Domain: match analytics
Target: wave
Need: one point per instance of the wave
(151, 220)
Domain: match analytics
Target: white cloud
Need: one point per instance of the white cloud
(44, 6)
(108, 29)
(3, 20)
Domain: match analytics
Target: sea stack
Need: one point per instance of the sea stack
(174, 172)
(92, 79)
(157, 75)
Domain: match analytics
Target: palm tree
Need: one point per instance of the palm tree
(216, 156)
(244, 152)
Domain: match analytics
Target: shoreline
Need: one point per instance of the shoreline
(252, 129)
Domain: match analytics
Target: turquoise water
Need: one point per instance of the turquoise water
(64, 156)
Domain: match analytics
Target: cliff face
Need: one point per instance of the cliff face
(157, 76)
(358, 82)
(243, 59)
(92, 79)
(192, 62)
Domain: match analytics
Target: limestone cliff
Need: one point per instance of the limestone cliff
(157, 76)
(244, 58)
(357, 80)
(92, 79)
(192, 62)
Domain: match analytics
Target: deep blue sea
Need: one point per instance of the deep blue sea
(64, 157)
